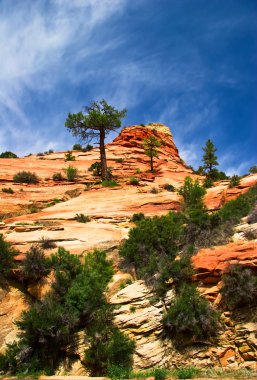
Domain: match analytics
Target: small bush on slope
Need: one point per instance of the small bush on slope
(239, 287)
(6, 258)
(152, 243)
(190, 316)
(26, 177)
(35, 265)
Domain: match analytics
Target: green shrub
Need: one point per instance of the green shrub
(187, 372)
(108, 349)
(117, 372)
(137, 217)
(35, 265)
(71, 173)
(238, 208)
(169, 187)
(208, 182)
(46, 243)
(159, 373)
(253, 169)
(86, 291)
(138, 171)
(134, 181)
(25, 177)
(58, 177)
(8, 154)
(239, 287)
(152, 243)
(96, 169)
(69, 156)
(77, 147)
(88, 148)
(119, 160)
(252, 218)
(46, 328)
(192, 193)
(154, 190)
(7, 252)
(110, 183)
(82, 218)
(234, 181)
(190, 316)
(67, 268)
(7, 190)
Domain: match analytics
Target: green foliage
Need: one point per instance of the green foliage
(35, 265)
(71, 173)
(82, 218)
(192, 193)
(88, 148)
(111, 348)
(252, 218)
(8, 154)
(160, 373)
(45, 329)
(236, 209)
(119, 160)
(152, 243)
(209, 158)
(46, 243)
(96, 169)
(253, 169)
(69, 156)
(58, 177)
(138, 171)
(97, 120)
(150, 147)
(117, 372)
(25, 177)
(190, 316)
(67, 268)
(110, 183)
(154, 190)
(134, 181)
(137, 217)
(86, 291)
(6, 258)
(239, 287)
(77, 147)
(234, 181)
(187, 372)
(169, 187)
(208, 182)
(7, 190)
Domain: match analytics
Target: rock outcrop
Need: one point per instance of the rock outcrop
(48, 209)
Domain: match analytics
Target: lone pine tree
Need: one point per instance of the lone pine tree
(150, 146)
(97, 120)
(209, 158)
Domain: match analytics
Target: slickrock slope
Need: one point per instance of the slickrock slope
(48, 209)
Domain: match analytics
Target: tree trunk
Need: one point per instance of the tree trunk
(103, 155)
(151, 161)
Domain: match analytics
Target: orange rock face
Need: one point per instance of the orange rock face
(210, 263)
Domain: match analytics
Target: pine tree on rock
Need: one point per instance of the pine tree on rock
(150, 146)
(97, 120)
(209, 157)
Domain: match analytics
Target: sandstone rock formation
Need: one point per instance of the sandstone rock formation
(49, 209)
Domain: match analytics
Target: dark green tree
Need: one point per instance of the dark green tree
(150, 146)
(95, 122)
(209, 157)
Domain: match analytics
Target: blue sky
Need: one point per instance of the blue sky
(191, 64)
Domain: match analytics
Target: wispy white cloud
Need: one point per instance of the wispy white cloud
(37, 46)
